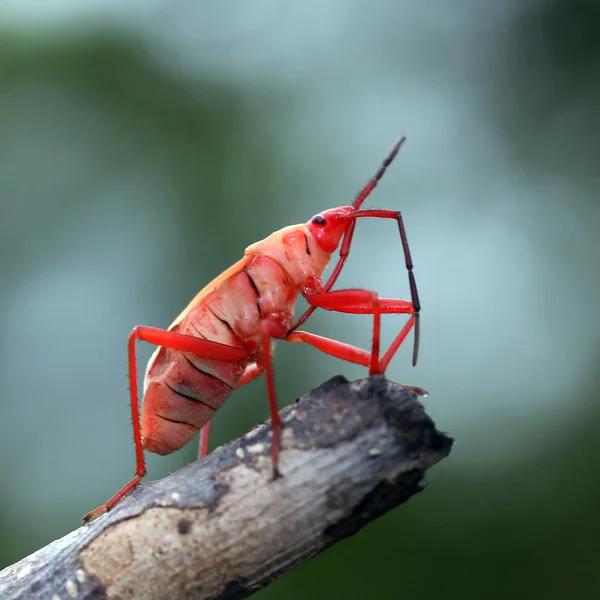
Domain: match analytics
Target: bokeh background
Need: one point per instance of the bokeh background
(144, 145)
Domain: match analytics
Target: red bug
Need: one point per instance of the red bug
(223, 339)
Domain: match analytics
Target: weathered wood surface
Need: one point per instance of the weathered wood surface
(222, 528)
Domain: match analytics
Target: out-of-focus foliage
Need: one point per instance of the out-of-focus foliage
(143, 146)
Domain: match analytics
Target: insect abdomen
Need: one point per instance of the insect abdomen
(182, 391)
(181, 399)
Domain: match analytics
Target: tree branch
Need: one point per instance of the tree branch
(222, 528)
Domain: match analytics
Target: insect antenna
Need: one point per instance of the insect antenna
(360, 198)
(368, 188)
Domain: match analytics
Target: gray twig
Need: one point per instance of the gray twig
(222, 528)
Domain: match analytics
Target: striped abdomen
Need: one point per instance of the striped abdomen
(182, 391)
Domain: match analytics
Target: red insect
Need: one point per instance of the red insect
(224, 338)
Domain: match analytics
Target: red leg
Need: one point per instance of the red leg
(252, 372)
(268, 331)
(359, 301)
(332, 347)
(414, 295)
(168, 339)
(203, 445)
(351, 353)
(387, 357)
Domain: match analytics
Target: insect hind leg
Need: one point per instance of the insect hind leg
(167, 339)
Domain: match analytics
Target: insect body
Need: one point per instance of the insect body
(224, 338)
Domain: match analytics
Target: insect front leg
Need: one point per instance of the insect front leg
(396, 215)
(366, 302)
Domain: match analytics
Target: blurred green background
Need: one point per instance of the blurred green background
(144, 145)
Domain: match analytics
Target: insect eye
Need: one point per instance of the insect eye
(319, 220)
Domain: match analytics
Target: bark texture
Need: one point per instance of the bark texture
(222, 528)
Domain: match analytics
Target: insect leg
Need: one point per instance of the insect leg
(252, 372)
(366, 302)
(269, 330)
(332, 347)
(168, 339)
(387, 357)
(414, 295)
(351, 353)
